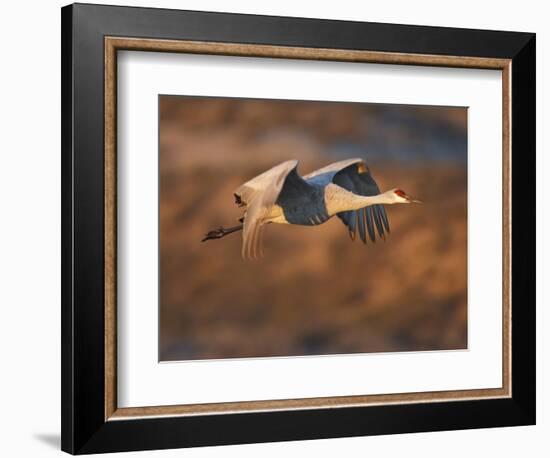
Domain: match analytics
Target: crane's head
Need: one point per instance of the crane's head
(400, 197)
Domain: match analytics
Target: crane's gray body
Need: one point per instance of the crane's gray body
(281, 195)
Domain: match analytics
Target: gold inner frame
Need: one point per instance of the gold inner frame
(112, 45)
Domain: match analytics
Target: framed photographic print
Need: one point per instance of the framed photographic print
(281, 228)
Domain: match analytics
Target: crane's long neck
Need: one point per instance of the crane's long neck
(338, 199)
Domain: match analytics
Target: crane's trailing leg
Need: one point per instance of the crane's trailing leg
(221, 232)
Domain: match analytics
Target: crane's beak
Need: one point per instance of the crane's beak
(414, 201)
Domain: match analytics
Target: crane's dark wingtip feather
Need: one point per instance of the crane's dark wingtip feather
(350, 220)
(377, 220)
(385, 218)
(360, 214)
(368, 214)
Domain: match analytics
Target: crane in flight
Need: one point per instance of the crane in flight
(280, 195)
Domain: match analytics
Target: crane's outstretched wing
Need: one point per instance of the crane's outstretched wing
(354, 175)
(259, 195)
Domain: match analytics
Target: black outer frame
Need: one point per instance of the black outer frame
(84, 429)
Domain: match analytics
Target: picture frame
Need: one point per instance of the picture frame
(92, 35)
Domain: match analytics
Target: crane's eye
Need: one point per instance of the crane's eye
(400, 193)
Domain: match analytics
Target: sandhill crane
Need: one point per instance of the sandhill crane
(280, 195)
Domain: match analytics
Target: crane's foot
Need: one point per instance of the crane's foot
(215, 234)
(221, 232)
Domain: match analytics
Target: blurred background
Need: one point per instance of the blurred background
(314, 291)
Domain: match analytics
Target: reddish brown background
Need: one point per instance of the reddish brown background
(315, 291)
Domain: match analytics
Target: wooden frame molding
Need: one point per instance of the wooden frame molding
(112, 45)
